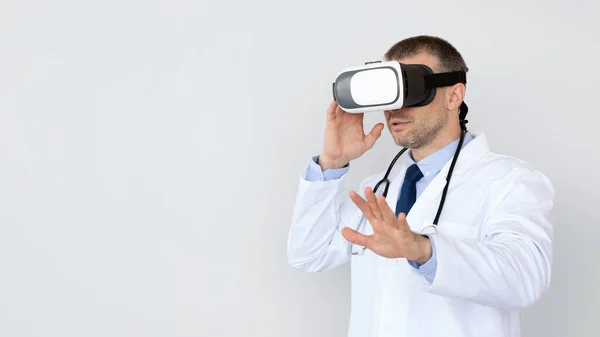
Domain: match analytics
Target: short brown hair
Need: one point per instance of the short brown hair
(448, 57)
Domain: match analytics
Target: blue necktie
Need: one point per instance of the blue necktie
(408, 193)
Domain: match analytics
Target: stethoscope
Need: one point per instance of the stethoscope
(431, 229)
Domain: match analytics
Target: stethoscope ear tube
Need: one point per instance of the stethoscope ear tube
(441, 206)
(387, 173)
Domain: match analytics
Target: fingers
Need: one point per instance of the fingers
(372, 201)
(332, 110)
(363, 205)
(356, 237)
(372, 137)
(376, 210)
(369, 207)
(387, 213)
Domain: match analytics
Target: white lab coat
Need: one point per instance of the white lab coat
(494, 249)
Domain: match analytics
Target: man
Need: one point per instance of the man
(492, 252)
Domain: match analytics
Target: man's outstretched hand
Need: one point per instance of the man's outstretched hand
(392, 237)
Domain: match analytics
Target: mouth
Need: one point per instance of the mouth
(398, 125)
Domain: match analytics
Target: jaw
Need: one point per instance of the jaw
(402, 137)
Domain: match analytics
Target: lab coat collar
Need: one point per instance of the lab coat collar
(433, 163)
(469, 155)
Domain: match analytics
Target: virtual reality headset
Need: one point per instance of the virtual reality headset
(389, 85)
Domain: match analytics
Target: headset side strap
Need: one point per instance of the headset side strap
(445, 79)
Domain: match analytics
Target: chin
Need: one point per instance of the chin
(400, 141)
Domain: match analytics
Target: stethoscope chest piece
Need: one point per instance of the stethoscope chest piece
(430, 229)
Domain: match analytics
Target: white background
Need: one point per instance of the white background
(150, 151)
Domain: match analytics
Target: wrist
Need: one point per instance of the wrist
(424, 250)
(327, 163)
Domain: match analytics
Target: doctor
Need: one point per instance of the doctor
(489, 255)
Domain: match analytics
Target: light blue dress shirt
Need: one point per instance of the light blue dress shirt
(430, 166)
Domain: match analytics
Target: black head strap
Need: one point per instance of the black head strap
(447, 79)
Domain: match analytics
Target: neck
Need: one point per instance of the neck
(443, 138)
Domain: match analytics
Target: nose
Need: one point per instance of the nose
(390, 113)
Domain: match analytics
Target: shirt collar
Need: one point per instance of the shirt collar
(433, 164)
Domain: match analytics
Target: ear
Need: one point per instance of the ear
(455, 96)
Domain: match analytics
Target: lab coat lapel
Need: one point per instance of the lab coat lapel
(468, 157)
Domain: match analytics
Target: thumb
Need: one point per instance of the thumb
(356, 237)
(373, 135)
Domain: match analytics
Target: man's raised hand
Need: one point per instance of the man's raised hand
(392, 236)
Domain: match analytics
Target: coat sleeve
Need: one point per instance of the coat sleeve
(315, 242)
(510, 268)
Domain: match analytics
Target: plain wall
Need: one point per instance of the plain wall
(150, 153)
